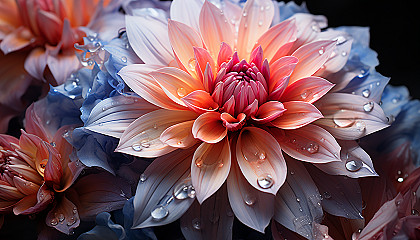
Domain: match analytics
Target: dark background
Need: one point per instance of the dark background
(395, 33)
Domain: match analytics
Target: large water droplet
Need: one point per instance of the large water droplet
(137, 147)
(191, 64)
(360, 126)
(366, 93)
(182, 189)
(260, 23)
(196, 223)
(353, 165)
(304, 95)
(159, 212)
(181, 92)
(368, 107)
(250, 199)
(342, 120)
(265, 181)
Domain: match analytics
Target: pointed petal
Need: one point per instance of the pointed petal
(149, 39)
(35, 63)
(61, 66)
(210, 168)
(200, 101)
(308, 89)
(225, 53)
(142, 137)
(179, 135)
(274, 42)
(10, 193)
(311, 57)
(176, 83)
(34, 203)
(187, 12)
(202, 57)
(308, 27)
(208, 127)
(256, 18)
(63, 217)
(269, 111)
(297, 114)
(214, 28)
(349, 117)
(260, 159)
(156, 189)
(183, 38)
(24, 186)
(137, 77)
(108, 193)
(355, 162)
(113, 115)
(343, 198)
(53, 169)
(16, 40)
(251, 206)
(298, 202)
(50, 25)
(310, 144)
(214, 218)
(280, 72)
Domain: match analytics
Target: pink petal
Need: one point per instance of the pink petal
(210, 167)
(63, 217)
(310, 143)
(298, 114)
(298, 201)
(269, 111)
(253, 24)
(10, 193)
(183, 38)
(61, 66)
(35, 125)
(50, 26)
(16, 40)
(214, 215)
(113, 115)
(137, 77)
(165, 176)
(308, 27)
(307, 89)
(350, 117)
(36, 62)
(260, 159)
(179, 135)
(53, 170)
(280, 72)
(214, 28)
(142, 137)
(67, 36)
(257, 57)
(34, 203)
(202, 57)
(200, 101)
(311, 57)
(187, 12)
(149, 39)
(108, 193)
(231, 123)
(251, 206)
(24, 186)
(225, 53)
(275, 41)
(355, 162)
(176, 83)
(208, 127)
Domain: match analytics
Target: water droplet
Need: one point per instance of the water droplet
(312, 148)
(315, 27)
(199, 162)
(300, 209)
(354, 165)
(297, 199)
(414, 212)
(368, 107)
(74, 210)
(265, 181)
(124, 59)
(191, 192)
(343, 53)
(326, 195)
(250, 199)
(262, 8)
(304, 95)
(244, 14)
(260, 23)
(145, 144)
(60, 217)
(181, 92)
(71, 84)
(366, 93)
(54, 222)
(191, 64)
(137, 147)
(196, 223)
(53, 144)
(181, 190)
(159, 212)
(341, 119)
(71, 221)
(321, 51)
(360, 126)
(400, 179)
(143, 177)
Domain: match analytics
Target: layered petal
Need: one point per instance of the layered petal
(209, 128)
(297, 115)
(187, 12)
(308, 89)
(179, 135)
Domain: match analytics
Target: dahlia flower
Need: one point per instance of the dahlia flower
(239, 101)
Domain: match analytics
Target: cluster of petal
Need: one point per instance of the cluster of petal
(231, 95)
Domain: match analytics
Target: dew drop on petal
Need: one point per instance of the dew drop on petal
(354, 165)
(196, 223)
(312, 148)
(191, 64)
(159, 212)
(260, 23)
(137, 147)
(250, 199)
(145, 144)
(181, 92)
(265, 181)
(414, 212)
(360, 126)
(366, 93)
(368, 107)
(60, 217)
(191, 192)
(124, 59)
(321, 51)
(343, 122)
(54, 221)
(143, 177)
(181, 190)
(326, 195)
(304, 95)
(343, 53)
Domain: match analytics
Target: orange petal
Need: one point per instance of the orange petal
(298, 114)
(24, 186)
(200, 101)
(310, 144)
(307, 89)
(142, 137)
(311, 57)
(16, 40)
(214, 28)
(176, 83)
(268, 112)
(280, 72)
(179, 135)
(210, 167)
(253, 24)
(260, 159)
(50, 26)
(231, 123)
(209, 128)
